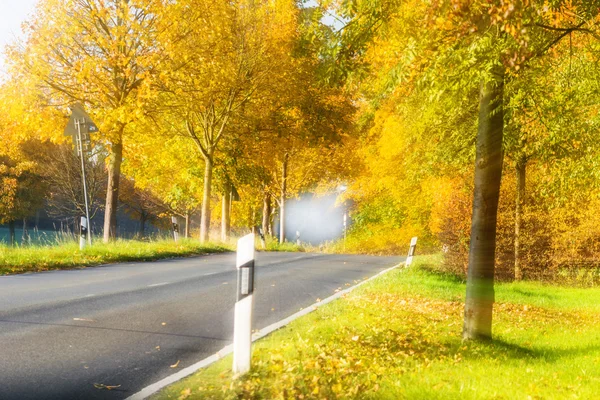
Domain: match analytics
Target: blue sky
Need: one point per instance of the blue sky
(12, 15)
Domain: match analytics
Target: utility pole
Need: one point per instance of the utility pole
(85, 195)
(79, 127)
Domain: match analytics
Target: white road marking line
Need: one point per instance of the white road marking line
(159, 284)
(83, 319)
(89, 295)
(210, 273)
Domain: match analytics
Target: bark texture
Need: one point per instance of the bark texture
(142, 231)
(226, 213)
(112, 191)
(205, 217)
(266, 215)
(488, 173)
(12, 234)
(284, 171)
(521, 168)
(187, 225)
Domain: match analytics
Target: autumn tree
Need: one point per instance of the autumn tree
(62, 173)
(22, 191)
(212, 66)
(483, 42)
(97, 53)
(141, 204)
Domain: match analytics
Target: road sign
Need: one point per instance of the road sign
(87, 125)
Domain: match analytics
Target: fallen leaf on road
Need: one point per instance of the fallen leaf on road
(157, 348)
(318, 300)
(107, 387)
(176, 364)
(164, 323)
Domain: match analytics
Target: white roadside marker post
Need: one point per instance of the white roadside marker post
(175, 228)
(242, 328)
(83, 230)
(411, 251)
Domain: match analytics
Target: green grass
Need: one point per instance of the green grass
(66, 255)
(272, 244)
(399, 337)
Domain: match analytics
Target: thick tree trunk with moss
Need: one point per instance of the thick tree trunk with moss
(205, 217)
(488, 173)
(115, 159)
(225, 213)
(284, 172)
(520, 202)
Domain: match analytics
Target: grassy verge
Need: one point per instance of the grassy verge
(399, 337)
(67, 255)
(273, 244)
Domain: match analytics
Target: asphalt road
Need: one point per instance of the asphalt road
(64, 334)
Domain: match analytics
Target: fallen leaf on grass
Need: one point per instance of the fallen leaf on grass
(176, 364)
(107, 387)
(185, 394)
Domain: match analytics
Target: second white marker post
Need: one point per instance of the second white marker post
(242, 330)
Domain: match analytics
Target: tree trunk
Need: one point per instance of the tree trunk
(142, 231)
(225, 213)
(266, 217)
(12, 235)
(284, 171)
(488, 174)
(205, 218)
(112, 191)
(187, 225)
(25, 236)
(520, 202)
